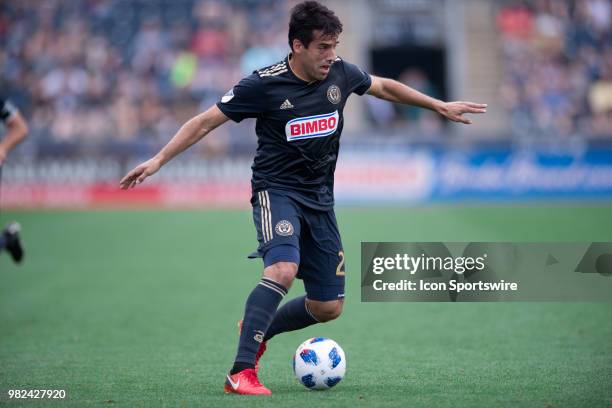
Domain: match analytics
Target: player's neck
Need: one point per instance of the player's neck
(297, 70)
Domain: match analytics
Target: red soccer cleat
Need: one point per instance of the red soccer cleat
(262, 349)
(245, 383)
(260, 352)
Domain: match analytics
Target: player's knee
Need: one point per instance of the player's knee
(282, 272)
(325, 311)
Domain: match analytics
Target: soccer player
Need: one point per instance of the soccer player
(17, 130)
(298, 104)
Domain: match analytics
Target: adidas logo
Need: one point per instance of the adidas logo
(286, 105)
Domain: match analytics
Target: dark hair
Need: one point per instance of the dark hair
(309, 16)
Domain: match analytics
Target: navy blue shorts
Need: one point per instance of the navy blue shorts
(281, 222)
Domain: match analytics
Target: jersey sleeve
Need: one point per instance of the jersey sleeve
(244, 100)
(358, 80)
(7, 110)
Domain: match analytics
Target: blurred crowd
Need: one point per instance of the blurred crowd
(130, 71)
(408, 122)
(558, 67)
(117, 73)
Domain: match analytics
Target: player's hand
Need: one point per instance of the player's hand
(454, 110)
(140, 173)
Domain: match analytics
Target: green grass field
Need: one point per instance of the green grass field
(139, 308)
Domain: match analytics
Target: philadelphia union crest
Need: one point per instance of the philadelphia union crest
(284, 228)
(333, 94)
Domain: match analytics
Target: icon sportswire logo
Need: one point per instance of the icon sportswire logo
(312, 126)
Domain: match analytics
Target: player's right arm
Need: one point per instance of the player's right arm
(245, 100)
(189, 134)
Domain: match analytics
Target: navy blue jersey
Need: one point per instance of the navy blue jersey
(298, 127)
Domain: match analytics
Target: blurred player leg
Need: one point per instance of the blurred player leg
(17, 130)
(10, 240)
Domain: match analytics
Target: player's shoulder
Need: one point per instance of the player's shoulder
(343, 64)
(272, 71)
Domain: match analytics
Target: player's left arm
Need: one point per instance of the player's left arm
(394, 91)
(17, 129)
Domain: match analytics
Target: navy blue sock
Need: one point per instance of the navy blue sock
(293, 315)
(258, 314)
(2, 241)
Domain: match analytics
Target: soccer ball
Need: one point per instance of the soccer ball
(319, 363)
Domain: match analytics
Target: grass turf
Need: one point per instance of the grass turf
(138, 308)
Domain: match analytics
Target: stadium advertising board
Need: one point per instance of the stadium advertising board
(362, 178)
